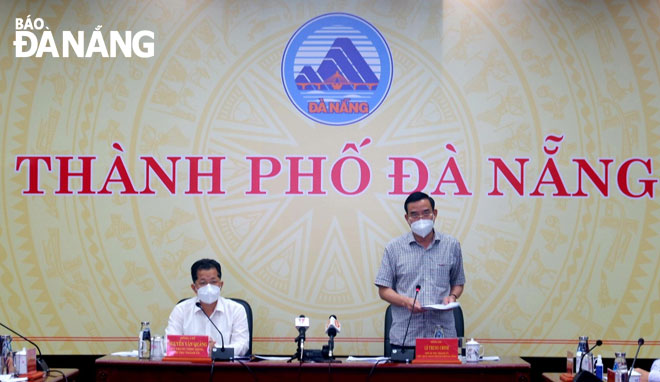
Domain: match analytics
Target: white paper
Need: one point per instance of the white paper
(490, 358)
(271, 358)
(367, 359)
(10, 378)
(132, 353)
(449, 306)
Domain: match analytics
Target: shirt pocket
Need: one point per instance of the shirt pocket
(442, 274)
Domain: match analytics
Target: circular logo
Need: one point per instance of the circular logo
(337, 69)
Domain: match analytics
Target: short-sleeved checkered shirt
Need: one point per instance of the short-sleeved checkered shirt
(436, 269)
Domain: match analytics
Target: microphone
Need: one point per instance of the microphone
(40, 359)
(403, 354)
(583, 375)
(302, 323)
(640, 342)
(332, 329)
(222, 354)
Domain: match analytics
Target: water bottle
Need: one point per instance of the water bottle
(6, 354)
(620, 367)
(620, 361)
(599, 367)
(144, 341)
(582, 348)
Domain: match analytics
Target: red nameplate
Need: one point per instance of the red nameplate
(31, 360)
(186, 359)
(33, 376)
(437, 350)
(187, 346)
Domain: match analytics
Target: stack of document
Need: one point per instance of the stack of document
(367, 359)
(450, 306)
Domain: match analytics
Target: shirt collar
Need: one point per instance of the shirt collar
(219, 306)
(411, 239)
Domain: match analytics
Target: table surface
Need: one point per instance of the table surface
(71, 375)
(551, 377)
(120, 369)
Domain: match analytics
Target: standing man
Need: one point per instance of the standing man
(423, 257)
(188, 319)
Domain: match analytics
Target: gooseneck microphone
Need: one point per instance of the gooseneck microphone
(40, 359)
(222, 354)
(403, 354)
(222, 338)
(417, 288)
(640, 342)
(598, 343)
(583, 375)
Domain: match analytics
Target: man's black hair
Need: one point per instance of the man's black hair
(417, 196)
(204, 264)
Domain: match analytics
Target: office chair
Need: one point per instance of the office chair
(387, 347)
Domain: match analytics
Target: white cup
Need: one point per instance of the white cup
(473, 351)
(158, 348)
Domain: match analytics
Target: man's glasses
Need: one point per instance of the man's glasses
(424, 214)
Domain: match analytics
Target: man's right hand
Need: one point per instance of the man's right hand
(409, 305)
(389, 295)
(644, 375)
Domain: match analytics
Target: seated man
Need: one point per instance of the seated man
(229, 316)
(653, 375)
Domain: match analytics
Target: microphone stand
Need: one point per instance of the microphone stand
(222, 354)
(327, 350)
(403, 354)
(331, 346)
(300, 340)
(640, 342)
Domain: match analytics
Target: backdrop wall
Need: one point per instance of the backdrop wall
(534, 124)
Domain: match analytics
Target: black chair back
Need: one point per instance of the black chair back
(248, 313)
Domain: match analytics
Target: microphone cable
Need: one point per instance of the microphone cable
(249, 369)
(60, 372)
(373, 368)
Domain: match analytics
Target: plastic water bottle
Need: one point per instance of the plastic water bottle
(144, 341)
(599, 367)
(620, 367)
(582, 348)
(6, 354)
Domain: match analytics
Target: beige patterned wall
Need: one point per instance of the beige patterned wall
(493, 78)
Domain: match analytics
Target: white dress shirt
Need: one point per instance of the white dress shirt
(229, 316)
(654, 375)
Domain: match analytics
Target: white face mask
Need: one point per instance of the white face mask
(422, 227)
(209, 293)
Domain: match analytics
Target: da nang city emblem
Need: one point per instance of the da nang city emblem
(337, 69)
